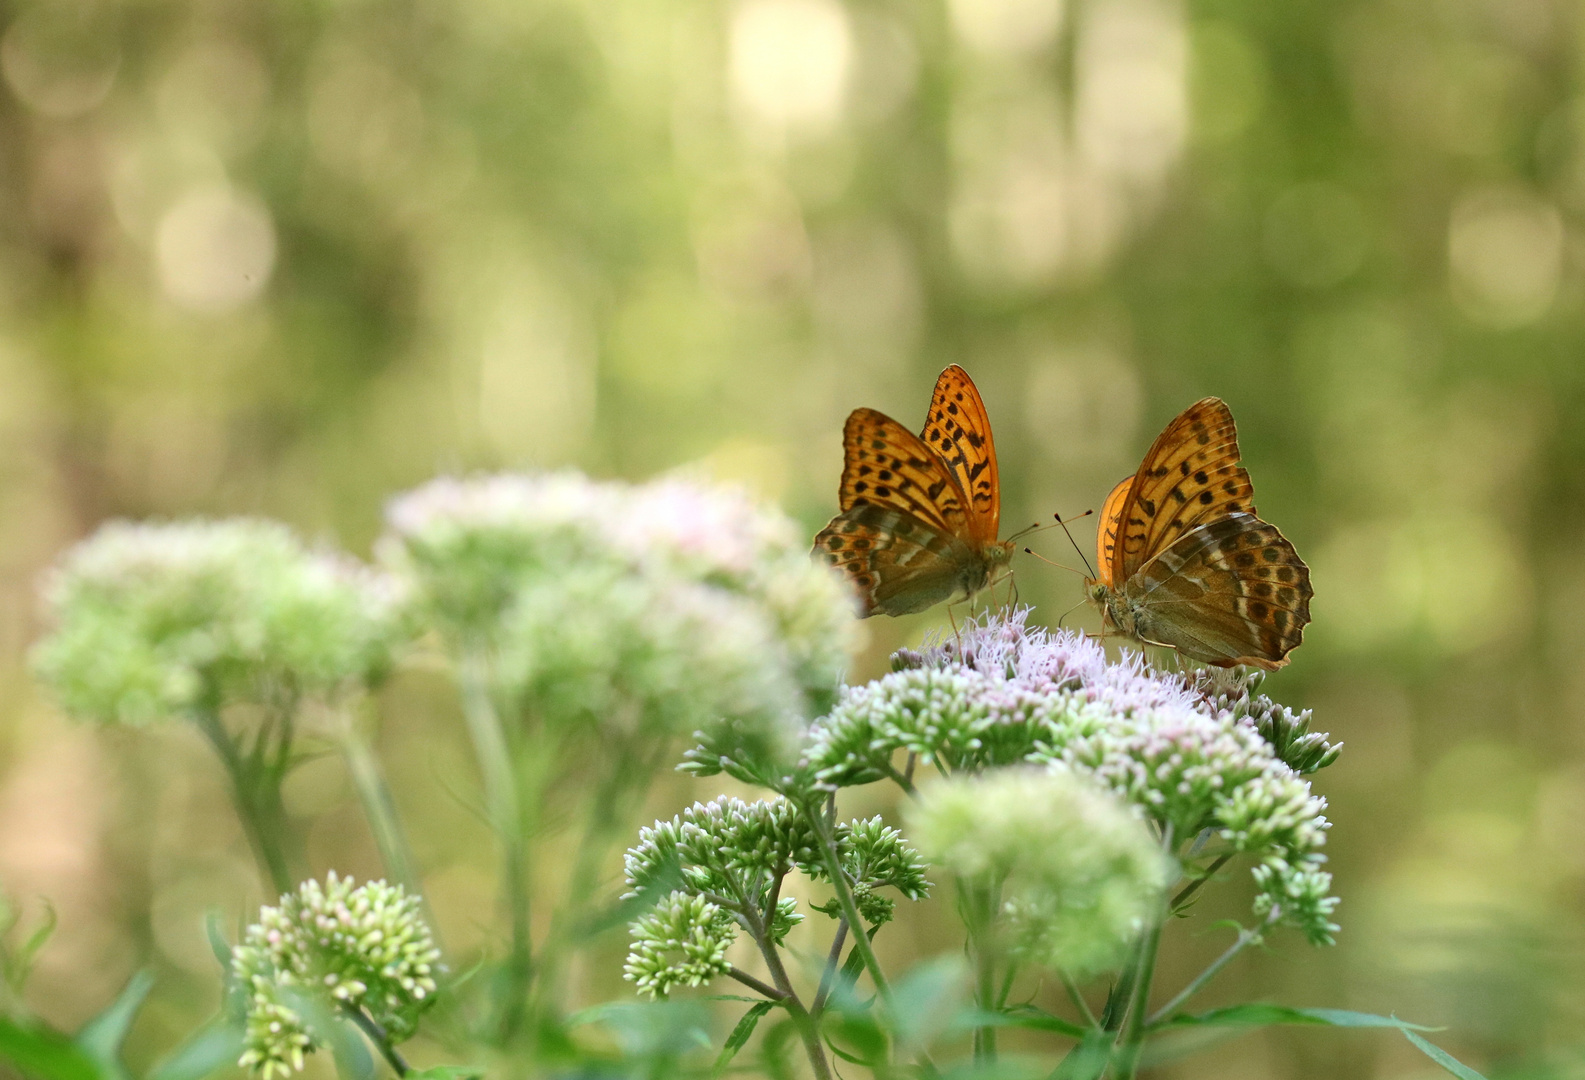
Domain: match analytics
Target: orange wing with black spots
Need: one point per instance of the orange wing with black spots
(1186, 564)
(958, 429)
(1189, 476)
(885, 464)
(919, 514)
(1111, 528)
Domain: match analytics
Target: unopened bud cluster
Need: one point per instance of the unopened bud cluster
(363, 947)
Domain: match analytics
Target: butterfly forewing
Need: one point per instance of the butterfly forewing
(1189, 476)
(919, 513)
(885, 464)
(1110, 530)
(896, 563)
(958, 429)
(1233, 591)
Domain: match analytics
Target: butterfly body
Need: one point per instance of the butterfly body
(1185, 561)
(919, 513)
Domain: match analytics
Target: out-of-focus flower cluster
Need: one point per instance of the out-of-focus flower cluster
(1078, 872)
(1195, 760)
(669, 605)
(154, 620)
(365, 947)
(723, 862)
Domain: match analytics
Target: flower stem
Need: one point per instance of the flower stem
(756, 985)
(1246, 938)
(759, 925)
(504, 807)
(850, 909)
(828, 977)
(379, 808)
(980, 904)
(1134, 1031)
(376, 1035)
(1193, 887)
(259, 810)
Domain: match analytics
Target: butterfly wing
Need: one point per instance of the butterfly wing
(897, 563)
(1108, 552)
(1230, 592)
(958, 429)
(886, 465)
(1190, 476)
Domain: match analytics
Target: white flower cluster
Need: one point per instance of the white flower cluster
(1001, 693)
(153, 620)
(669, 605)
(1078, 871)
(365, 947)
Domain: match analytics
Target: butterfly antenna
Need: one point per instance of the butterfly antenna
(1025, 531)
(1074, 542)
(1070, 611)
(1052, 562)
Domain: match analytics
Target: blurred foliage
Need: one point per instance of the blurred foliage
(286, 259)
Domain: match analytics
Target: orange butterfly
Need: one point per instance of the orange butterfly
(1186, 564)
(919, 513)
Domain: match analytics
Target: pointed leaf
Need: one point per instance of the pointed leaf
(740, 1034)
(447, 1072)
(1267, 1015)
(101, 1037)
(1089, 1059)
(1443, 1058)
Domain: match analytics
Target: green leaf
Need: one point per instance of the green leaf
(42, 1052)
(1027, 1016)
(1267, 1015)
(329, 1028)
(1443, 1058)
(741, 1032)
(213, 1047)
(447, 1072)
(21, 964)
(1089, 1059)
(101, 1037)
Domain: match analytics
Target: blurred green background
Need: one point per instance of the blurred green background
(288, 259)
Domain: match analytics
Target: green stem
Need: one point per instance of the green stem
(828, 976)
(981, 901)
(264, 829)
(504, 807)
(808, 1030)
(1246, 938)
(1077, 998)
(850, 909)
(379, 807)
(376, 1035)
(1134, 1032)
(1193, 887)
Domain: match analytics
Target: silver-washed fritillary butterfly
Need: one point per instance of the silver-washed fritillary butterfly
(1186, 564)
(919, 512)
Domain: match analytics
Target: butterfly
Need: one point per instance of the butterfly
(919, 512)
(1184, 561)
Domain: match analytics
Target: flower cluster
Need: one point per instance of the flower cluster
(364, 947)
(1077, 869)
(1197, 758)
(665, 606)
(152, 621)
(723, 863)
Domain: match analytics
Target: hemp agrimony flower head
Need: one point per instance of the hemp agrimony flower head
(723, 863)
(665, 606)
(1078, 871)
(1001, 692)
(365, 947)
(154, 620)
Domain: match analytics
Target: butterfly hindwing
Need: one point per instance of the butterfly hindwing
(896, 563)
(1189, 476)
(885, 464)
(1233, 591)
(958, 429)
